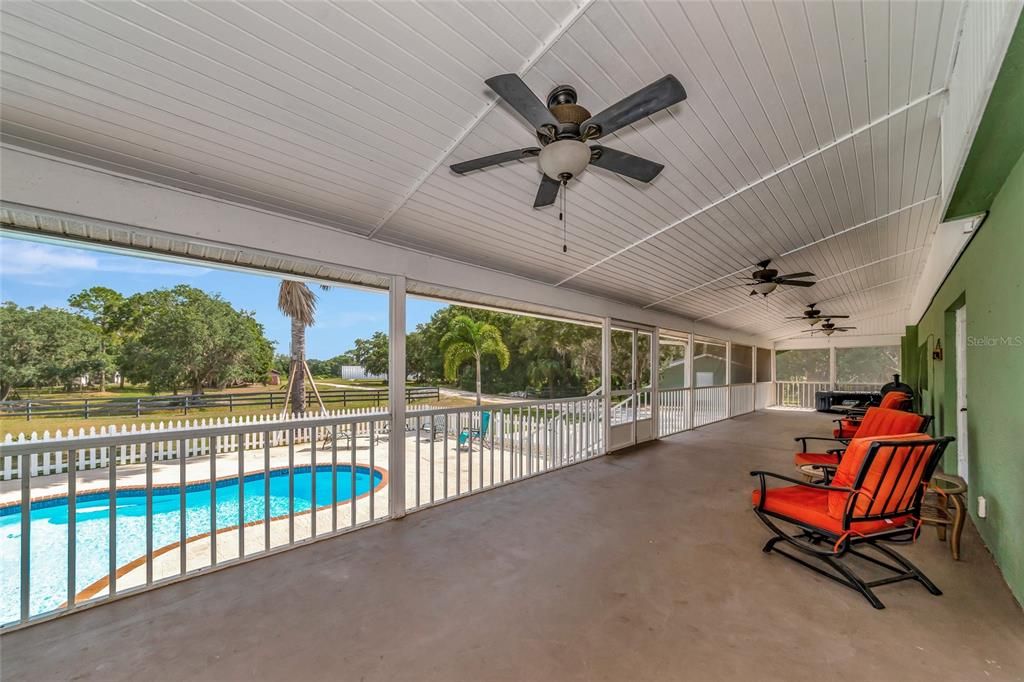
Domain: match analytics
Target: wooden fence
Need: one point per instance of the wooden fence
(85, 408)
(55, 461)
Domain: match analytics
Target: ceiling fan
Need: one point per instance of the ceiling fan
(828, 328)
(813, 316)
(764, 280)
(564, 128)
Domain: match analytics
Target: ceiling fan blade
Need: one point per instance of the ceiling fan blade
(547, 192)
(624, 163)
(835, 317)
(797, 274)
(659, 95)
(494, 159)
(794, 282)
(521, 98)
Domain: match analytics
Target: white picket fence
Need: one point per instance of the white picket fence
(55, 461)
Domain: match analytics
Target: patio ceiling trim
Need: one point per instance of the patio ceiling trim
(803, 159)
(542, 50)
(838, 342)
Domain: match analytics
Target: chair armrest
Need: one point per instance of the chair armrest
(763, 475)
(804, 439)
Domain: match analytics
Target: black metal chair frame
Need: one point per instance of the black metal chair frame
(809, 541)
(827, 469)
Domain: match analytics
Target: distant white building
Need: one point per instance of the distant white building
(359, 372)
(84, 380)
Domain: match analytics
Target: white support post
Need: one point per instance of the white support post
(606, 381)
(691, 378)
(728, 378)
(655, 366)
(396, 397)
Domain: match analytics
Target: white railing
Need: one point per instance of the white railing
(741, 399)
(673, 411)
(458, 451)
(764, 395)
(798, 394)
(711, 405)
(636, 406)
(248, 488)
(860, 387)
(56, 461)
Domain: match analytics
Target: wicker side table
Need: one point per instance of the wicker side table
(944, 507)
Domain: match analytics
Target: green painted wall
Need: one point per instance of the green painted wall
(989, 280)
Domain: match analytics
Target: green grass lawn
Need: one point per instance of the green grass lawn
(15, 424)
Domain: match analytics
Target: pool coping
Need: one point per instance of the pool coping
(101, 492)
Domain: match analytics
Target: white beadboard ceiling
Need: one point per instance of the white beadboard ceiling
(348, 114)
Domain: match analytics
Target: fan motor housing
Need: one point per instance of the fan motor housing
(562, 104)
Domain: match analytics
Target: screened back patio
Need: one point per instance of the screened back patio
(751, 260)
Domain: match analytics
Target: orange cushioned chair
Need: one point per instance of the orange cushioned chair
(878, 421)
(875, 496)
(893, 400)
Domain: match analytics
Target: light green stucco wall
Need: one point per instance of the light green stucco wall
(989, 280)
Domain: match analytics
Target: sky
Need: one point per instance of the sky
(43, 274)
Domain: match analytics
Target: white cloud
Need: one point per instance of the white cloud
(29, 259)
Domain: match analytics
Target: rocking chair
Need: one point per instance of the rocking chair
(848, 426)
(875, 496)
(878, 422)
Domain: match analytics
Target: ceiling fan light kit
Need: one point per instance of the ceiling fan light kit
(564, 128)
(564, 159)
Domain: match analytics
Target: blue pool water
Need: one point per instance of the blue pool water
(49, 527)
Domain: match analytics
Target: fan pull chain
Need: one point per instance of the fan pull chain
(562, 215)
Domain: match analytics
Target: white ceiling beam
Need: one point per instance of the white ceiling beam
(803, 159)
(837, 341)
(541, 50)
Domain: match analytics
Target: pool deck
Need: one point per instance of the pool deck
(198, 550)
(638, 566)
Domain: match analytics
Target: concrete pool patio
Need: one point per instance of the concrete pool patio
(457, 469)
(504, 586)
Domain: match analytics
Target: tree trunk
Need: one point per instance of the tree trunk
(103, 371)
(478, 380)
(299, 373)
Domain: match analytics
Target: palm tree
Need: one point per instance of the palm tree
(298, 302)
(467, 339)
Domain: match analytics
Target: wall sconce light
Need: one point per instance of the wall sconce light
(937, 352)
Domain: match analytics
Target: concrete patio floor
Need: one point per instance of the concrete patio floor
(639, 566)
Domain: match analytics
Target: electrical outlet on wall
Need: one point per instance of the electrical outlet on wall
(982, 507)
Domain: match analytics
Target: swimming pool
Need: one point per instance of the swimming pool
(49, 527)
